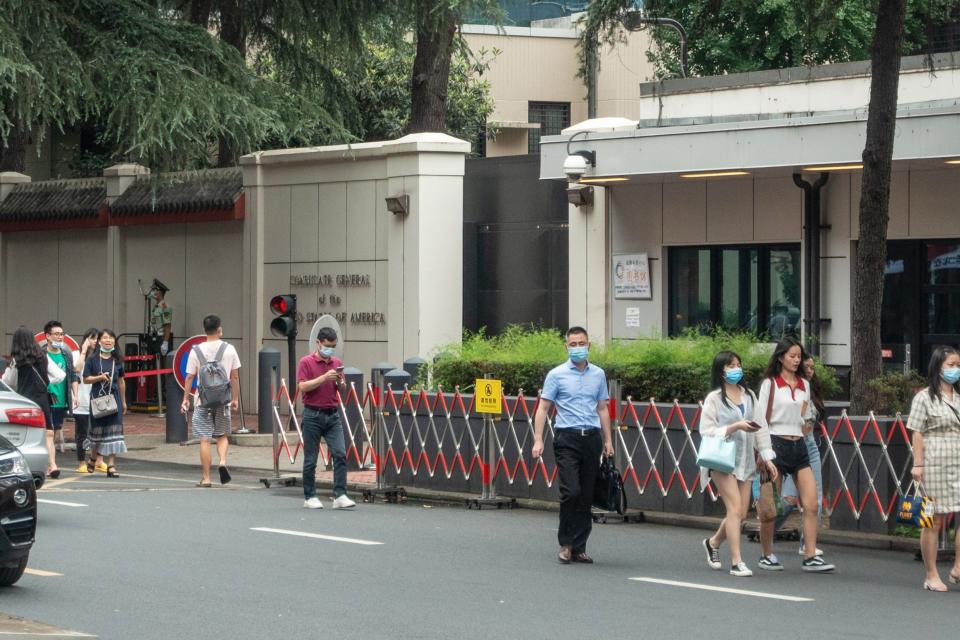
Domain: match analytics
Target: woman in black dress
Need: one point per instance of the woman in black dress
(104, 371)
(32, 381)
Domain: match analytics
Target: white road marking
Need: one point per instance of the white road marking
(53, 634)
(42, 573)
(318, 536)
(61, 503)
(739, 592)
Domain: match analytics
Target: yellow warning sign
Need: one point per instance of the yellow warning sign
(488, 397)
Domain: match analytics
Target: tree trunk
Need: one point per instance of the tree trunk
(875, 201)
(200, 12)
(233, 33)
(431, 68)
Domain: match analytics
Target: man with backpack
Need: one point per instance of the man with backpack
(215, 366)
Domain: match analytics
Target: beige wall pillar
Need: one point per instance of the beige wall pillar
(589, 266)
(118, 177)
(318, 225)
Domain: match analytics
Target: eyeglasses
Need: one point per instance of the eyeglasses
(58, 334)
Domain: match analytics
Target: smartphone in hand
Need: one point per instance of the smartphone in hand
(753, 425)
(340, 373)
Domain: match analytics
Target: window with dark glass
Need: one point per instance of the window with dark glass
(553, 117)
(744, 288)
(921, 299)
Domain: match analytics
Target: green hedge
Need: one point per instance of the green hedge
(664, 369)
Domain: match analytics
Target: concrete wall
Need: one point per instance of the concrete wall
(65, 275)
(321, 213)
(764, 209)
(797, 91)
(540, 64)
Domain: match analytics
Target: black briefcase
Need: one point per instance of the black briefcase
(608, 493)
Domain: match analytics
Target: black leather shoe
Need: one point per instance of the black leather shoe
(582, 558)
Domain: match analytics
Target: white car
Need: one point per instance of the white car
(23, 424)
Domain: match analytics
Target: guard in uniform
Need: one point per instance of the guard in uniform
(161, 318)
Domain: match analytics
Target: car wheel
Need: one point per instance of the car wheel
(38, 481)
(10, 575)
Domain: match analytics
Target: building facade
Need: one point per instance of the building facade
(704, 200)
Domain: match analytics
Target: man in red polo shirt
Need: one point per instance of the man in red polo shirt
(318, 377)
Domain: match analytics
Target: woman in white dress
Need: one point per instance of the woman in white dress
(727, 413)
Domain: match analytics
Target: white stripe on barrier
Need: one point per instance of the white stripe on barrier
(318, 536)
(708, 587)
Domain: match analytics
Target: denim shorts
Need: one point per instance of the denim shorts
(791, 455)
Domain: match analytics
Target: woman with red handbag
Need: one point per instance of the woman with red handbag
(935, 423)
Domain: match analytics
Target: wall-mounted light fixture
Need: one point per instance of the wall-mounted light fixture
(714, 174)
(580, 196)
(604, 180)
(835, 167)
(957, 161)
(399, 204)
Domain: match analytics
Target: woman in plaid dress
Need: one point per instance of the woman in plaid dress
(935, 422)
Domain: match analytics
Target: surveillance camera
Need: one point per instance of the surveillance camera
(574, 167)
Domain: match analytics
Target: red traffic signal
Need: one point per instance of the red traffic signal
(285, 308)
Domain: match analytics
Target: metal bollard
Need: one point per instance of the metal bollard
(354, 417)
(176, 422)
(268, 383)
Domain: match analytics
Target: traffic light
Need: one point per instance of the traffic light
(285, 308)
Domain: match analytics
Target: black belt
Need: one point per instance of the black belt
(327, 410)
(579, 432)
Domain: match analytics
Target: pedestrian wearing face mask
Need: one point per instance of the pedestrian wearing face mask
(728, 413)
(582, 434)
(319, 378)
(935, 423)
(62, 388)
(104, 372)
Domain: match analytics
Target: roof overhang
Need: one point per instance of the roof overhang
(788, 144)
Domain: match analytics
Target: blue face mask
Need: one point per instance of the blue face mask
(56, 345)
(951, 375)
(578, 354)
(327, 352)
(733, 376)
(106, 350)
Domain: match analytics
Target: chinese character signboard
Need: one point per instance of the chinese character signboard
(631, 277)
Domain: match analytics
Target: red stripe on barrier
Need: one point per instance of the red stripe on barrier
(142, 374)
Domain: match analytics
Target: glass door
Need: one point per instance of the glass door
(941, 297)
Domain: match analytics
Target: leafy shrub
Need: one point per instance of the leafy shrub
(661, 368)
(892, 393)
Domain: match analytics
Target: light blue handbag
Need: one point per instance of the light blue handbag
(717, 453)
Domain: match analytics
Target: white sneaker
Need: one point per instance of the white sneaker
(803, 552)
(343, 502)
(312, 503)
(740, 570)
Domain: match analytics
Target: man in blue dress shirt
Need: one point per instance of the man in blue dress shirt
(579, 389)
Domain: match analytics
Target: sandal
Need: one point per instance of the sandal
(53, 475)
(205, 485)
(91, 466)
(954, 578)
(935, 588)
(112, 472)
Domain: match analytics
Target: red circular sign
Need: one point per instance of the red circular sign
(180, 360)
(70, 343)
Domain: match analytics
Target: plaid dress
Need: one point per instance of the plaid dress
(940, 427)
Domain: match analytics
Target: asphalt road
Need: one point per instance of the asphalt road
(149, 556)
